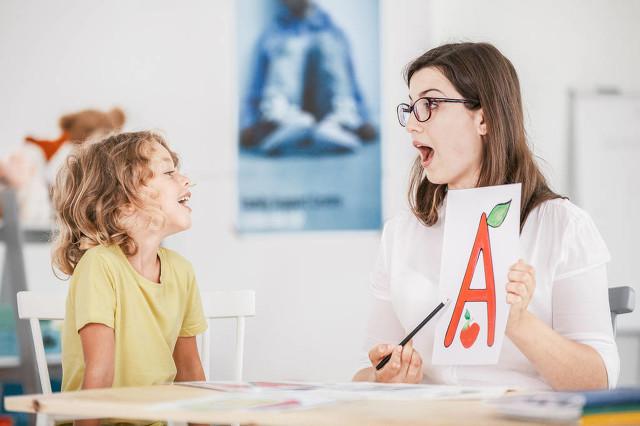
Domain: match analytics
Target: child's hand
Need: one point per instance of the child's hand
(520, 289)
(405, 365)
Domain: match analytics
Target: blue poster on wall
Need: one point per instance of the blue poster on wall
(309, 128)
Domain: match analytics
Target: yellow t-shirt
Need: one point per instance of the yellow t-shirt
(147, 317)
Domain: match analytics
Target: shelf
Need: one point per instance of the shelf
(9, 361)
(31, 236)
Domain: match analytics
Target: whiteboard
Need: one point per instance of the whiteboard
(605, 176)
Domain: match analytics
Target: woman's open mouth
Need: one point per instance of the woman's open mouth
(426, 154)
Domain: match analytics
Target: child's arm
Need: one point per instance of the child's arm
(187, 360)
(98, 347)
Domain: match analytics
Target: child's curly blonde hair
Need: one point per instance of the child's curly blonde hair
(92, 190)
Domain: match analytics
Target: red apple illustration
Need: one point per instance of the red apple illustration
(469, 332)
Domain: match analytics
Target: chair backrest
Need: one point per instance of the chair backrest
(622, 300)
(34, 306)
(40, 305)
(238, 304)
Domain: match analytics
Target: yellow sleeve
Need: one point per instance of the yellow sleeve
(194, 321)
(94, 292)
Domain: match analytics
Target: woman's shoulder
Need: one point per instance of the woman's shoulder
(571, 235)
(562, 213)
(402, 221)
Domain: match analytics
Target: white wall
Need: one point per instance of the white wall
(171, 66)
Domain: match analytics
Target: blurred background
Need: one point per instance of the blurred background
(172, 66)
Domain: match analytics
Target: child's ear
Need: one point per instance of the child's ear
(127, 217)
(481, 125)
(126, 213)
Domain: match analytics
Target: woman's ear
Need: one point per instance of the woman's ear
(481, 125)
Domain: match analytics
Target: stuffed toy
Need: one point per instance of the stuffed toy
(31, 169)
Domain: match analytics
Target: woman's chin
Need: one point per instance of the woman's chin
(434, 178)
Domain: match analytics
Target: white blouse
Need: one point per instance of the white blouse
(569, 256)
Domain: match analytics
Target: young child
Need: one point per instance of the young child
(133, 308)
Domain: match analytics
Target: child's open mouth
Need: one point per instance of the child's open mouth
(183, 200)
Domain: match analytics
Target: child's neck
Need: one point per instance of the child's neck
(146, 261)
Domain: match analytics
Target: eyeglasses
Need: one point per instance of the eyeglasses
(422, 108)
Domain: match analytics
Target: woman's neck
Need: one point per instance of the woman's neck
(468, 181)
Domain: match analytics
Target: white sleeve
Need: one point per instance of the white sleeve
(383, 326)
(380, 276)
(581, 292)
(582, 247)
(581, 313)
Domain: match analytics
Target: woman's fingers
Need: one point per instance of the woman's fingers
(414, 374)
(521, 283)
(378, 352)
(391, 370)
(513, 299)
(521, 265)
(405, 364)
(522, 272)
(405, 359)
(518, 289)
(519, 276)
(517, 293)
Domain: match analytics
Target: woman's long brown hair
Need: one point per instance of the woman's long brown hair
(479, 71)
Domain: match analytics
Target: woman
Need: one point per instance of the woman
(465, 119)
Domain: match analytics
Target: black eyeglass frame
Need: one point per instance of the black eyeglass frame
(429, 100)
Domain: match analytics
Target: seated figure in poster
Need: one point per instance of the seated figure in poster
(304, 97)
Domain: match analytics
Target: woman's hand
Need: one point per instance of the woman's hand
(405, 365)
(520, 288)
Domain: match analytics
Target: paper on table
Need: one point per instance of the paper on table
(224, 386)
(245, 398)
(283, 401)
(311, 394)
(400, 391)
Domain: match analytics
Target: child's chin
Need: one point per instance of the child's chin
(179, 227)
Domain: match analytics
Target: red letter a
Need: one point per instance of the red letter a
(487, 294)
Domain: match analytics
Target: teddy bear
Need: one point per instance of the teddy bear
(30, 170)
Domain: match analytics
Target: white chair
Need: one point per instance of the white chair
(37, 305)
(622, 300)
(226, 304)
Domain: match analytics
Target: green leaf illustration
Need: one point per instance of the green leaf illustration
(498, 213)
(467, 315)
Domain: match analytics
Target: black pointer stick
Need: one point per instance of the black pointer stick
(386, 359)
